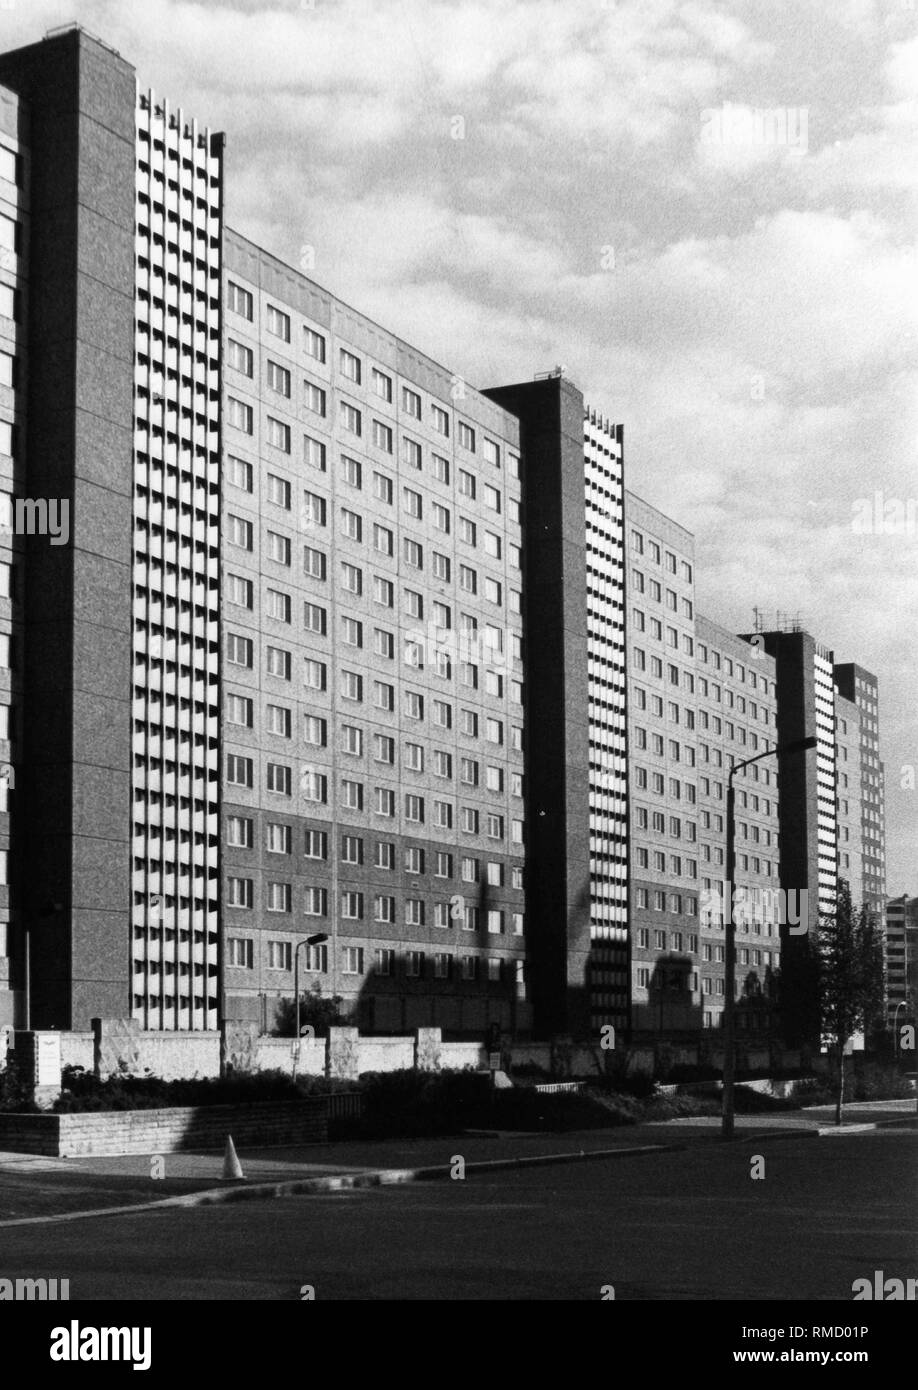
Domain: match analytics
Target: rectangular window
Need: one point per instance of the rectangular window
(313, 563)
(352, 960)
(351, 578)
(278, 838)
(313, 344)
(351, 471)
(315, 618)
(239, 650)
(278, 548)
(240, 832)
(315, 844)
(277, 434)
(280, 955)
(466, 436)
(385, 959)
(381, 384)
(278, 605)
(278, 323)
(278, 379)
(279, 779)
(382, 436)
(279, 897)
(279, 720)
(277, 491)
(314, 453)
(239, 770)
(239, 473)
(240, 357)
(240, 415)
(412, 453)
(383, 908)
(350, 366)
(240, 301)
(240, 710)
(314, 399)
(240, 892)
(241, 952)
(314, 674)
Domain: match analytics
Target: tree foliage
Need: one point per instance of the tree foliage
(319, 1011)
(850, 976)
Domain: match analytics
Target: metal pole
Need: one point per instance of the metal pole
(28, 977)
(296, 992)
(799, 745)
(730, 967)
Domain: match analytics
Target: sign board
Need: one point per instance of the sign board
(494, 1061)
(47, 1059)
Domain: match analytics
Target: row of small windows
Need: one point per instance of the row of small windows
(440, 965)
(279, 722)
(279, 435)
(352, 907)
(278, 323)
(279, 663)
(279, 550)
(677, 940)
(278, 839)
(654, 552)
(353, 796)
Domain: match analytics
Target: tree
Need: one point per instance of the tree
(320, 1011)
(850, 976)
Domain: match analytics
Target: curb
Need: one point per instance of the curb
(242, 1191)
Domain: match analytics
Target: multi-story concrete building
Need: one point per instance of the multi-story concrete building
(115, 242)
(335, 645)
(861, 688)
(373, 668)
(831, 817)
(849, 810)
(901, 961)
(666, 985)
(699, 700)
(737, 713)
(14, 240)
(577, 883)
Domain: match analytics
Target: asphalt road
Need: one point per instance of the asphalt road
(689, 1225)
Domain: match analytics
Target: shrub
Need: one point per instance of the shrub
(319, 1011)
(13, 1092)
(82, 1091)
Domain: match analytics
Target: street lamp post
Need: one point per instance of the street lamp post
(307, 941)
(729, 1023)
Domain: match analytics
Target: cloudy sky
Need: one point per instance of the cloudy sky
(515, 184)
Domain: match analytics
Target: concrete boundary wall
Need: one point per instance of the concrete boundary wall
(118, 1045)
(109, 1133)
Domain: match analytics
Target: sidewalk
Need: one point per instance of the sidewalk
(34, 1188)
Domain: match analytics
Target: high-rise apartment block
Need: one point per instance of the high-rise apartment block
(861, 689)
(113, 328)
(902, 961)
(372, 668)
(699, 700)
(577, 884)
(316, 661)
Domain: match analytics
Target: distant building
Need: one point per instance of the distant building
(861, 782)
(902, 960)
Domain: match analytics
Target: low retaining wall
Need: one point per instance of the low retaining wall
(109, 1133)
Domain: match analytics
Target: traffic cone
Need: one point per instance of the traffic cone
(232, 1168)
